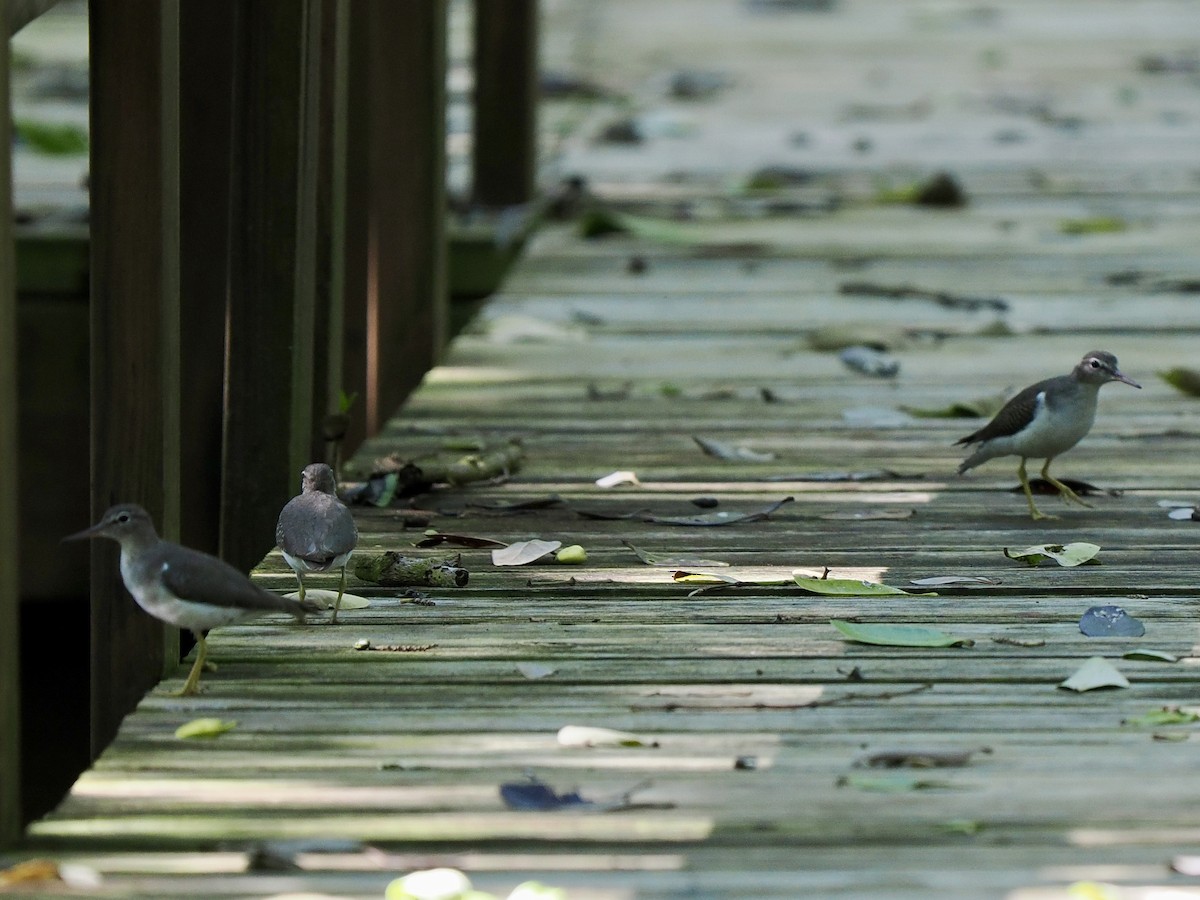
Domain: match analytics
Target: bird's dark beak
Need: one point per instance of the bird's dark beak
(1125, 378)
(95, 531)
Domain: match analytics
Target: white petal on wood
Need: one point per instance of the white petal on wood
(523, 552)
(1097, 672)
(617, 478)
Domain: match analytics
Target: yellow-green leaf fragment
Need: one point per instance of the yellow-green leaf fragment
(1075, 553)
(1167, 715)
(898, 635)
(574, 555)
(850, 587)
(430, 884)
(1183, 379)
(1093, 225)
(204, 728)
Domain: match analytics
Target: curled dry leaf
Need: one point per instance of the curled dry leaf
(589, 736)
(1166, 715)
(1096, 672)
(1150, 656)
(328, 598)
(522, 553)
(919, 759)
(949, 580)
(726, 451)
(720, 518)
(617, 478)
(667, 560)
(849, 587)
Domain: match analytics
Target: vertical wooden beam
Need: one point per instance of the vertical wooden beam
(504, 159)
(206, 110)
(268, 421)
(134, 327)
(396, 307)
(331, 216)
(10, 689)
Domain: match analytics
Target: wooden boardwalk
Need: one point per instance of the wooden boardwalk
(614, 354)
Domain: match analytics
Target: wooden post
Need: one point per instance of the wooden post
(134, 327)
(504, 159)
(396, 306)
(206, 154)
(10, 689)
(331, 217)
(269, 411)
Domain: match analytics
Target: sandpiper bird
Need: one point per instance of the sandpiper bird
(181, 586)
(1045, 420)
(316, 532)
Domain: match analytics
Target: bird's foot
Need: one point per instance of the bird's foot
(1037, 515)
(188, 690)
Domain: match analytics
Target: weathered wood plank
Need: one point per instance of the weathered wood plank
(10, 654)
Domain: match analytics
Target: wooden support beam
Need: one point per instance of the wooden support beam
(269, 429)
(206, 153)
(504, 158)
(10, 688)
(134, 327)
(396, 306)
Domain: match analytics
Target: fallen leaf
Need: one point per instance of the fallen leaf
(590, 736)
(1183, 514)
(1110, 621)
(979, 408)
(1150, 656)
(666, 560)
(507, 506)
(574, 555)
(849, 587)
(854, 477)
(535, 794)
(536, 670)
(617, 478)
(1183, 379)
(723, 517)
(1096, 672)
(328, 598)
(1177, 736)
(204, 728)
(947, 580)
(522, 553)
(726, 451)
(640, 513)
(1073, 554)
(961, 826)
(707, 578)
(1020, 642)
(435, 538)
(892, 784)
(1093, 225)
(919, 759)
(898, 635)
(1167, 715)
(430, 884)
(869, 361)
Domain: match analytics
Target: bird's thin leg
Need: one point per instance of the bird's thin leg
(300, 579)
(1063, 490)
(192, 685)
(338, 603)
(1034, 512)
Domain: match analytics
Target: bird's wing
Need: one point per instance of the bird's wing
(1012, 416)
(297, 535)
(195, 576)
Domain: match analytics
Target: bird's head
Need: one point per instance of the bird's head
(124, 523)
(317, 477)
(1100, 367)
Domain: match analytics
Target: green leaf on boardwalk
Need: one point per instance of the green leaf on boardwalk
(1183, 379)
(1167, 715)
(204, 728)
(851, 587)
(898, 635)
(1150, 656)
(52, 138)
(1096, 672)
(1074, 554)
(892, 784)
(598, 222)
(1093, 225)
